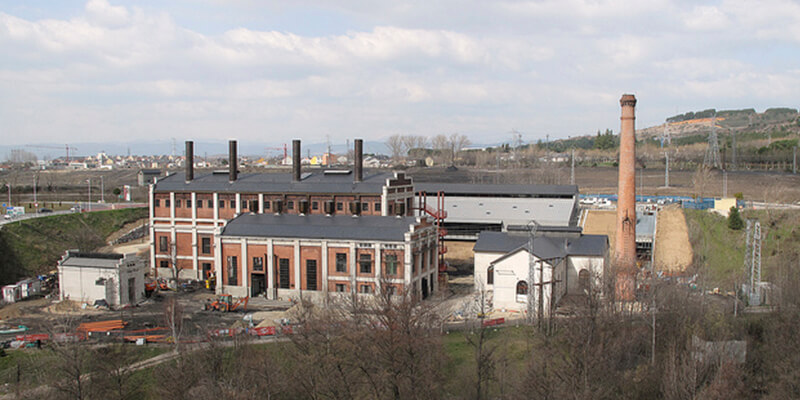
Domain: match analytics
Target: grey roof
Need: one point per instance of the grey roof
(91, 260)
(320, 226)
(316, 182)
(544, 246)
(645, 226)
(509, 210)
(480, 189)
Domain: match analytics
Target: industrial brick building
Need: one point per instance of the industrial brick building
(312, 255)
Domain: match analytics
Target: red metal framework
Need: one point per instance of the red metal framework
(439, 215)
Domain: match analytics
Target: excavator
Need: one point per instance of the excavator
(225, 303)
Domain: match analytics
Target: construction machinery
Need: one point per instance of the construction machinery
(211, 281)
(225, 303)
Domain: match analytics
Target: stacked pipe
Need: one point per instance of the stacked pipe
(296, 160)
(233, 161)
(189, 161)
(625, 252)
(358, 162)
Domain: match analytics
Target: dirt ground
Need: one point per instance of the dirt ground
(459, 251)
(601, 222)
(673, 249)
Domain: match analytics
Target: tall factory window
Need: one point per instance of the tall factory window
(365, 263)
(163, 244)
(311, 274)
(222, 204)
(364, 206)
(211, 204)
(166, 203)
(163, 264)
(339, 206)
(366, 289)
(377, 207)
(341, 262)
(199, 203)
(391, 264)
(290, 205)
(283, 273)
(258, 264)
(315, 205)
(233, 203)
(205, 245)
(188, 203)
(233, 275)
(266, 204)
(490, 275)
(340, 287)
(178, 203)
(157, 203)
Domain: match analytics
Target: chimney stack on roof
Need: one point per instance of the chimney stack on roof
(189, 161)
(296, 160)
(358, 162)
(233, 161)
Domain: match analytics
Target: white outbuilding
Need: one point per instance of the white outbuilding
(88, 277)
(564, 262)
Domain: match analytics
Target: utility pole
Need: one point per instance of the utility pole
(89, 181)
(35, 203)
(794, 160)
(666, 169)
(532, 226)
(733, 150)
(572, 171)
(724, 183)
(9, 194)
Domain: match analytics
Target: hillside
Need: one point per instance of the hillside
(719, 251)
(744, 121)
(33, 246)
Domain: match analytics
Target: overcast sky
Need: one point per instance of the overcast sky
(77, 71)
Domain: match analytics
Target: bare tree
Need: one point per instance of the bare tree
(397, 147)
(113, 377)
(173, 319)
(456, 143)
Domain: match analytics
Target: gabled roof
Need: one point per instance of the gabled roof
(544, 247)
(320, 227)
(315, 182)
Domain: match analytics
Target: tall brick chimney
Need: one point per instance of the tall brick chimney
(296, 160)
(189, 161)
(625, 252)
(358, 161)
(233, 161)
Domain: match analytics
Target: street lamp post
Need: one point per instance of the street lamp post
(89, 181)
(102, 191)
(35, 203)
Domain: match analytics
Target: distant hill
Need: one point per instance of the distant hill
(697, 122)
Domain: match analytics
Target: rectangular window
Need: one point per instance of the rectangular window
(314, 205)
(199, 203)
(258, 264)
(311, 274)
(365, 289)
(157, 202)
(211, 204)
(283, 273)
(339, 206)
(391, 264)
(365, 263)
(222, 204)
(340, 287)
(166, 203)
(178, 203)
(341, 262)
(233, 204)
(377, 207)
(390, 290)
(163, 244)
(205, 245)
(244, 205)
(266, 204)
(233, 271)
(364, 207)
(163, 264)
(290, 205)
(188, 203)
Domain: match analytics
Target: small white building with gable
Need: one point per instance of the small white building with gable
(565, 262)
(87, 277)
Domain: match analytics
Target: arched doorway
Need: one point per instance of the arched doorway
(583, 281)
(522, 291)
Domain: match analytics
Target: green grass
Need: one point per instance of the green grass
(33, 246)
(719, 251)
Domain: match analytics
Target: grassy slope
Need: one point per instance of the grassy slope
(33, 246)
(720, 251)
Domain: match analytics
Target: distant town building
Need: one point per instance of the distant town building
(147, 176)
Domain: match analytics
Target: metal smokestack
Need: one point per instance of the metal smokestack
(296, 160)
(358, 161)
(625, 252)
(233, 161)
(189, 161)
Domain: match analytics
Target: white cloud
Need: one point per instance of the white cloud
(481, 68)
